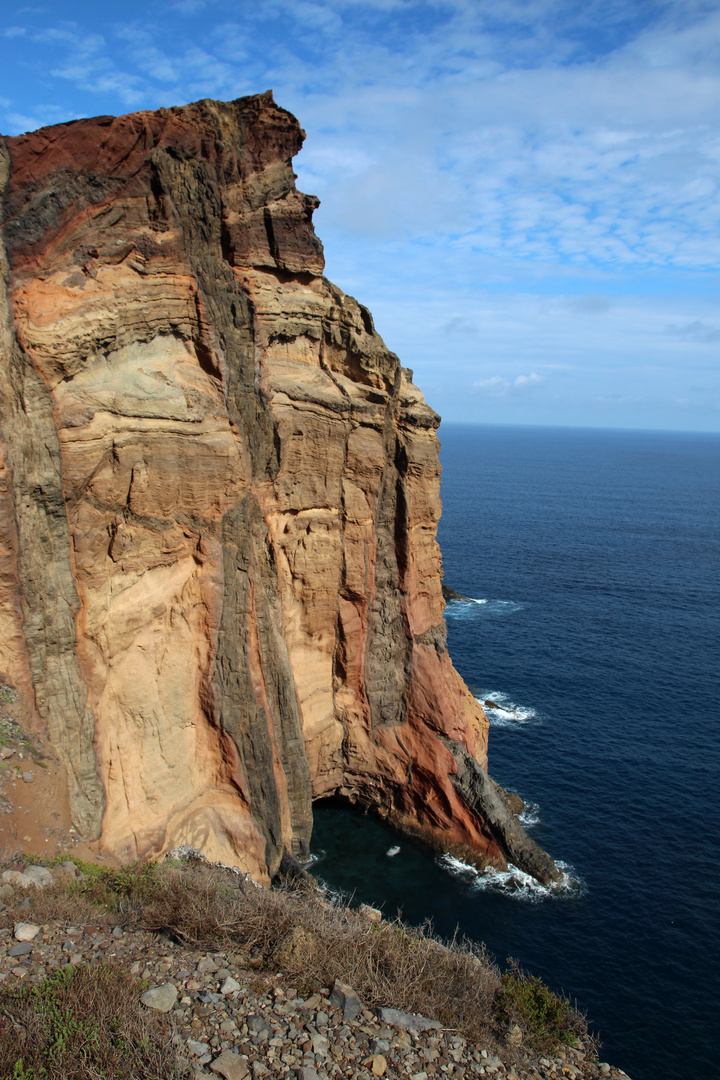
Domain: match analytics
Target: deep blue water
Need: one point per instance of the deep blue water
(598, 557)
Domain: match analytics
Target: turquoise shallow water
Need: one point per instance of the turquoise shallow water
(597, 558)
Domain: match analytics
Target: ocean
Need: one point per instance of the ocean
(593, 560)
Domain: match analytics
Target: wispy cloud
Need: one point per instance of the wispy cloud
(497, 173)
(703, 332)
(496, 386)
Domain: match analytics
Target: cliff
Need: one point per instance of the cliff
(220, 587)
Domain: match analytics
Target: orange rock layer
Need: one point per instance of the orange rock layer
(220, 586)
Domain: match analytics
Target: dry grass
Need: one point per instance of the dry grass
(386, 963)
(315, 941)
(83, 1024)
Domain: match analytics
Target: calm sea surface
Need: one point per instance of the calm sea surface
(596, 558)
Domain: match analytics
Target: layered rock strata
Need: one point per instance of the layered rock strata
(220, 586)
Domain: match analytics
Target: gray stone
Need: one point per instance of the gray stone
(28, 777)
(345, 998)
(197, 1048)
(206, 966)
(161, 998)
(23, 948)
(16, 878)
(307, 1073)
(320, 1044)
(39, 876)
(230, 1066)
(6, 891)
(379, 1046)
(25, 931)
(70, 869)
(229, 985)
(407, 1021)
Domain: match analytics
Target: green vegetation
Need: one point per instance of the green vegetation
(8, 731)
(107, 887)
(545, 1020)
(82, 1023)
(8, 694)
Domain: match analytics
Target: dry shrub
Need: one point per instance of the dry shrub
(386, 963)
(54, 903)
(83, 1024)
(317, 941)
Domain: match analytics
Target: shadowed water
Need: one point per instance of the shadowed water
(597, 558)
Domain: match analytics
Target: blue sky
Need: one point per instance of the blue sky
(525, 193)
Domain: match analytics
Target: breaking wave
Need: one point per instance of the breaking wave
(511, 882)
(392, 852)
(472, 608)
(530, 815)
(501, 711)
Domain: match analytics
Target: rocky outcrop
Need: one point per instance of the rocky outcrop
(220, 587)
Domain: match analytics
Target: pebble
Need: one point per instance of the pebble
(23, 948)
(345, 998)
(230, 1066)
(160, 998)
(25, 931)
(258, 1028)
(197, 1048)
(408, 1021)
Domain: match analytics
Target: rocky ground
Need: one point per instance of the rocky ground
(229, 1018)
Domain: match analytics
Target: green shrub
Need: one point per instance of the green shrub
(8, 694)
(546, 1020)
(108, 887)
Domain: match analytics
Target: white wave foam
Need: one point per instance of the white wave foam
(511, 882)
(392, 852)
(530, 815)
(470, 608)
(501, 711)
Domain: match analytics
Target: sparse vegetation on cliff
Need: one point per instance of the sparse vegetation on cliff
(82, 1022)
(314, 940)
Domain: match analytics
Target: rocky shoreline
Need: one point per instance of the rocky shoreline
(232, 1014)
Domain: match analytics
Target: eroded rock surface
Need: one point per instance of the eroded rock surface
(220, 586)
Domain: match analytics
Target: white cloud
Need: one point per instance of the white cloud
(532, 379)
(493, 176)
(496, 386)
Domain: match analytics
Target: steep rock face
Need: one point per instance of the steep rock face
(220, 587)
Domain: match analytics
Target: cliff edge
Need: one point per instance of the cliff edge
(220, 586)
